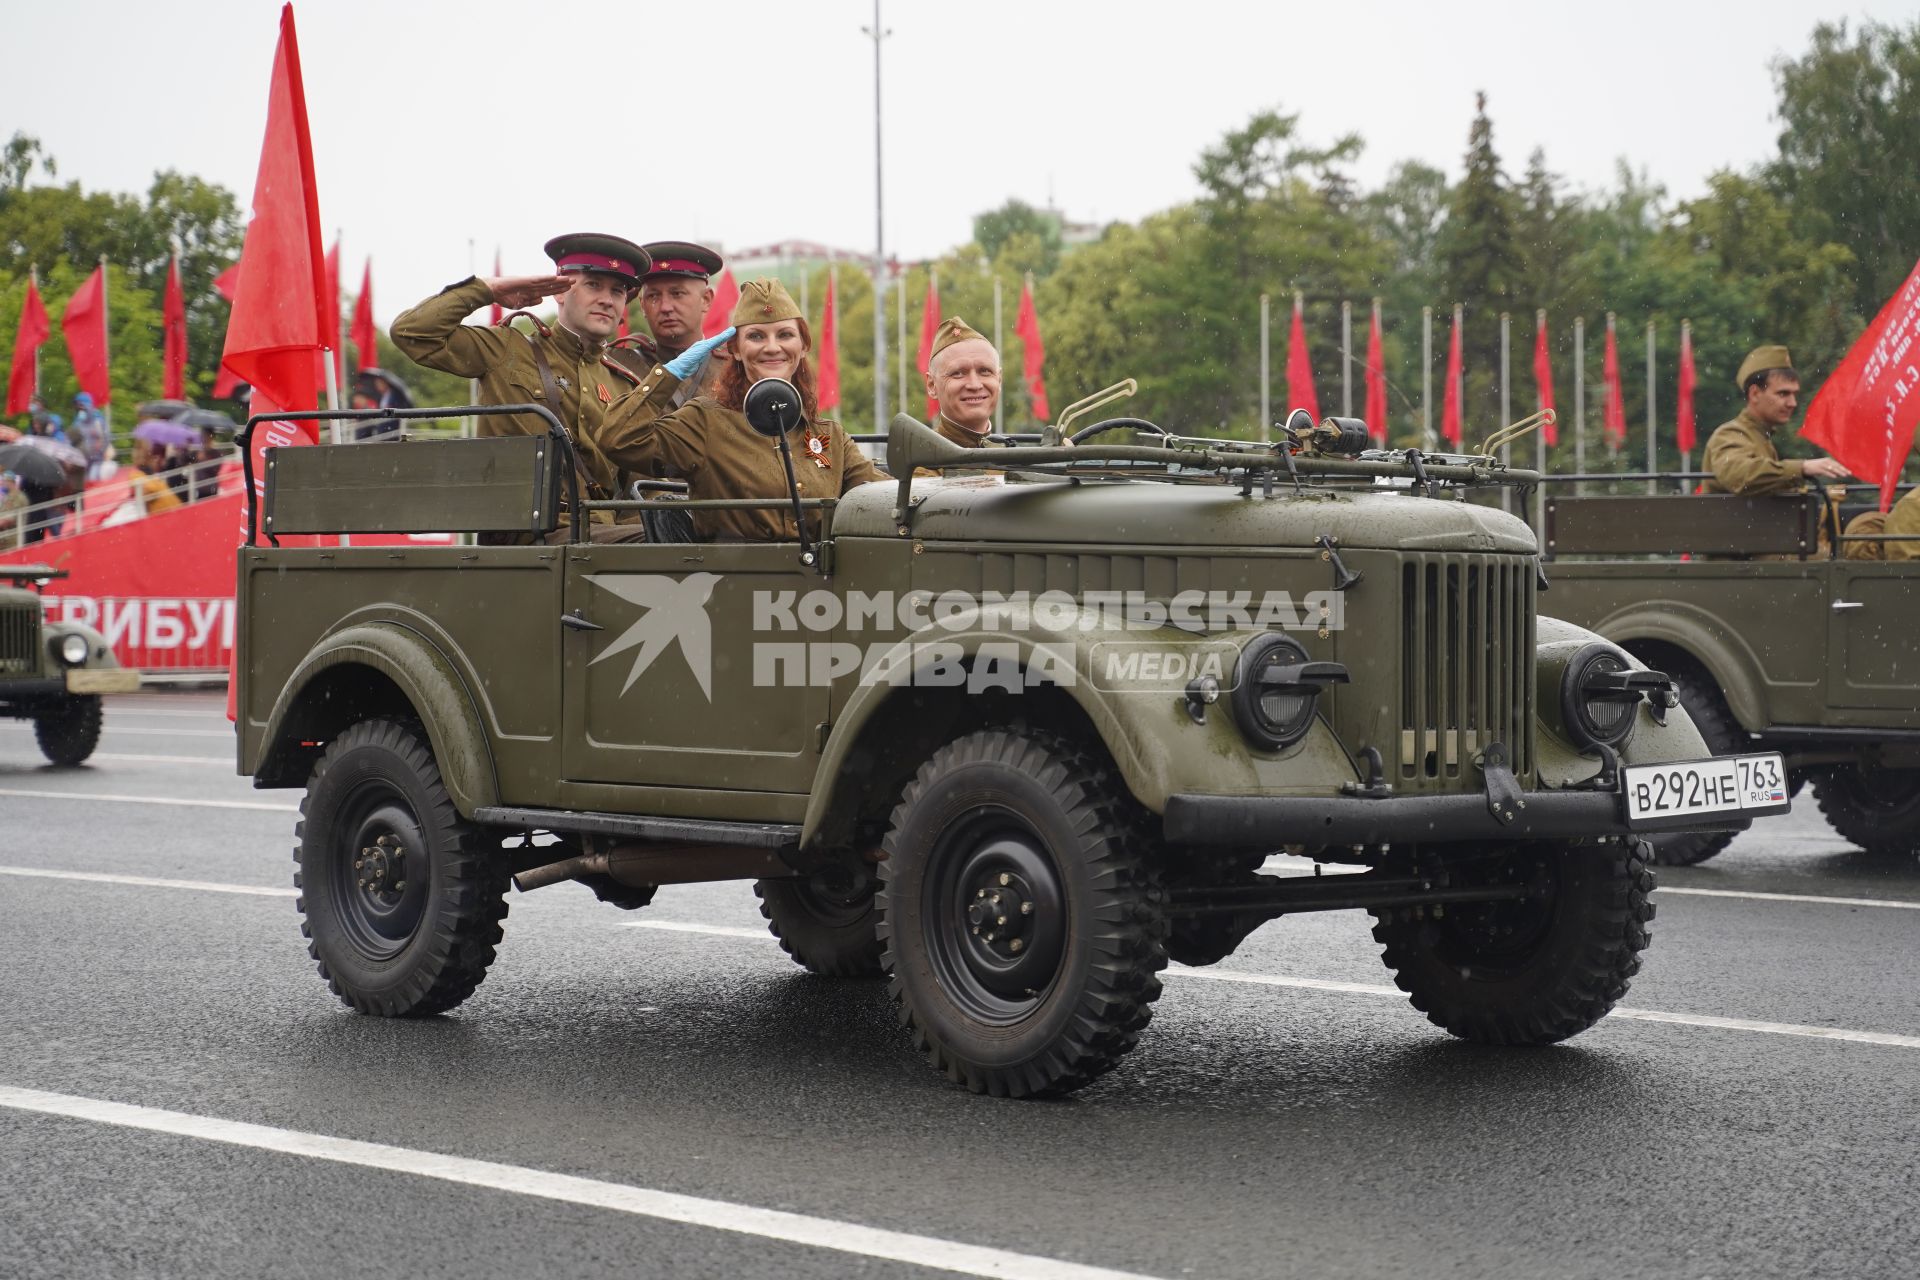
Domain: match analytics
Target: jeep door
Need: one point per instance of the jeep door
(1873, 642)
(660, 679)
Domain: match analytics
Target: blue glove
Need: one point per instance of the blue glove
(688, 362)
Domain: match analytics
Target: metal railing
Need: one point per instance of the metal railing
(87, 509)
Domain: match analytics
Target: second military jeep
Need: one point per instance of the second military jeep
(1013, 737)
(53, 673)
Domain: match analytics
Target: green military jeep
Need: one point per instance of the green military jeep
(1013, 737)
(1775, 642)
(53, 673)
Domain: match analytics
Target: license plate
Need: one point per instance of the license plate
(103, 680)
(1658, 793)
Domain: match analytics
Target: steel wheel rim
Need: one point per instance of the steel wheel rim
(1500, 937)
(994, 908)
(380, 871)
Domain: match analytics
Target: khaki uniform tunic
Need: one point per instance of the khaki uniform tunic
(1904, 519)
(719, 454)
(1743, 460)
(966, 439)
(502, 358)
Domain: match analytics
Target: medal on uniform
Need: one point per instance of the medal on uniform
(817, 450)
(606, 397)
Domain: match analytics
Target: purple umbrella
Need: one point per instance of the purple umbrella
(167, 435)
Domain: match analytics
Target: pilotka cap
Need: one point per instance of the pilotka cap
(1759, 360)
(764, 302)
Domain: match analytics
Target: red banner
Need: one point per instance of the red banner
(1683, 419)
(1026, 327)
(1613, 413)
(173, 323)
(85, 324)
(1543, 380)
(1300, 393)
(1376, 381)
(34, 329)
(929, 325)
(1450, 430)
(726, 296)
(829, 351)
(1865, 413)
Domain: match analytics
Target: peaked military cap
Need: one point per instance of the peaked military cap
(953, 329)
(764, 302)
(1759, 360)
(681, 258)
(593, 251)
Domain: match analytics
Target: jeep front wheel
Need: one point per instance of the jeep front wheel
(1021, 923)
(826, 933)
(1877, 809)
(1527, 970)
(402, 899)
(69, 730)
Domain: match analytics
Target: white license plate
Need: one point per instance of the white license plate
(1726, 784)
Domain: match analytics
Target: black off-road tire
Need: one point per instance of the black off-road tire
(1722, 734)
(831, 938)
(1877, 809)
(1197, 941)
(1066, 1004)
(1568, 958)
(69, 730)
(399, 936)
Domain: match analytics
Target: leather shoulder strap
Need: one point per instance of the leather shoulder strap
(558, 405)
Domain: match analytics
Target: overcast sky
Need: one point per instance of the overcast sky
(750, 121)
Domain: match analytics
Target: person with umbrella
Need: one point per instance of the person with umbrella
(375, 388)
(43, 475)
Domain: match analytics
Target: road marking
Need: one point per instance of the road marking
(150, 882)
(666, 1206)
(1826, 898)
(139, 759)
(254, 805)
(156, 733)
(1374, 989)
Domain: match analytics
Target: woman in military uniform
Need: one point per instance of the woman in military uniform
(709, 443)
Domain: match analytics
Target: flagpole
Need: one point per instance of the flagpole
(878, 33)
(1506, 400)
(1460, 383)
(1346, 358)
(1266, 409)
(1686, 455)
(1000, 405)
(804, 274)
(1653, 444)
(1540, 443)
(1579, 402)
(1426, 377)
(900, 354)
(106, 347)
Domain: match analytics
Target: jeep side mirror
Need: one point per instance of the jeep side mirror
(773, 407)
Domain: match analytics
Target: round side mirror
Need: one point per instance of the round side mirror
(773, 407)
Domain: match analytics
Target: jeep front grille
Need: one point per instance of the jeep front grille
(1467, 639)
(19, 638)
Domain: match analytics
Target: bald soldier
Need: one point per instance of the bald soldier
(566, 367)
(1741, 454)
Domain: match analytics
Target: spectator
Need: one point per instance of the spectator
(89, 436)
(13, 500)
(154, 493)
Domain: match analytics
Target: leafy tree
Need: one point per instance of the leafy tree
(1480, 261)
(993, 229)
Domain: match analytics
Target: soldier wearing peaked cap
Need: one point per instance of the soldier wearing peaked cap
(565, 366)
(709, 443)
(1741, 454)
(675, 295)
(963, 375)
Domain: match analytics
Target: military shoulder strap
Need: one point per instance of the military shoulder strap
(552, 387)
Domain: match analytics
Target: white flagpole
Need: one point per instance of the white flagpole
(1426, 377)
(1346, 358)
(1653, 438)
(1266, 395)
(106, 346)
(1000, 408)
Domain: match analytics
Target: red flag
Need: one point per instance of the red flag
(625, 328)
(366, 338)
(1865, 412)
(1026, 327)
(1299, 371)
(1683, 405)
(1543, 381)
(85, 324)
(726, 296)
(929, 323)
(496, 311)
(34, 329)
(1613, 418)
(226, 284)
(1450, 400)
(829, 352)
(173, 322)
(1376, 380)
(280, 307)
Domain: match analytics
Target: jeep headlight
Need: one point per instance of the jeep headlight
(72, 649)
(1276, 688)
(1599, 696)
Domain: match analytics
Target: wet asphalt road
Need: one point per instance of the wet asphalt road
(1261, 1129)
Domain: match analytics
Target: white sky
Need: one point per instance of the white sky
(745, 122)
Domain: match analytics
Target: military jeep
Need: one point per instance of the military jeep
(1774, 640)
(53, 673)
(1014, 736)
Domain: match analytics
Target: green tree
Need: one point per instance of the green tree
(993, 229)
(1480, 265)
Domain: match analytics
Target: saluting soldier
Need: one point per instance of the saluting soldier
(963, 375)
(675, 295)
(709, 443)
(1741, 454)
(565, 366)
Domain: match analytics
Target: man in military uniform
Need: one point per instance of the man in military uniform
(963, 375)
(675, 296)
(1741, 453)
(565, 367)
(1903, 521)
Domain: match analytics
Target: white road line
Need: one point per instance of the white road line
(156, 733)
(666, 1206)
(150, 882)
(139, 759)
(254, 805)
(1826, 898)
(1373, 989)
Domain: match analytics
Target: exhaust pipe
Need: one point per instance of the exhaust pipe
(650, 863)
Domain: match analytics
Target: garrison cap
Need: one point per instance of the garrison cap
(592, 251)
(764, 302)
(953, 329)
(681, 258)
(1761, 359)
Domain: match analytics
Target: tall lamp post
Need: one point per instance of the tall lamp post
(877, 33)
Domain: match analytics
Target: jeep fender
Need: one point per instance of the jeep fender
(1733, 666)
(1560, 762)
(100, 653)
(1155, 745)
(425, 678)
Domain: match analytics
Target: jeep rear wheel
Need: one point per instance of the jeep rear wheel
(1877, 809)
(69, 730)
(830, 935)
(1532, 970)
(402, 899)
(1021, 924)
(1721, 732)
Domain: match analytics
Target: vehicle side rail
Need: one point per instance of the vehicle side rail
(1673, 524)
(762, 835)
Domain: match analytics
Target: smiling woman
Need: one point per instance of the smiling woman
(709, 443)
